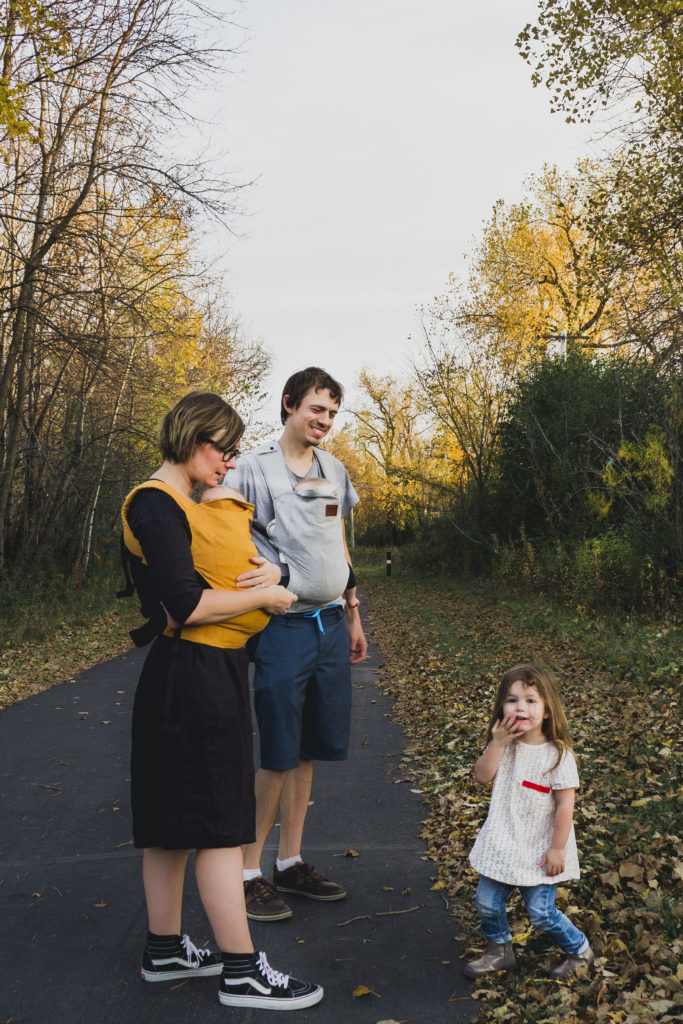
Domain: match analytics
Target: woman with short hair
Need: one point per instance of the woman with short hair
(192, 775)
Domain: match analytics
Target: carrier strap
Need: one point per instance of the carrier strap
(170, 723)
(275, 472)
(142, 635)
(129, 588)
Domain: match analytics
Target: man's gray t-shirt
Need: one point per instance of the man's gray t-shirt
(248, 478)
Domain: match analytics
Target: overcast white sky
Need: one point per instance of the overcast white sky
(380, 133)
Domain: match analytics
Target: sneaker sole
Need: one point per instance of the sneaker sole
(198, 972)
(282, 916)
(311, 896)
(474, 975)
(271, 1002)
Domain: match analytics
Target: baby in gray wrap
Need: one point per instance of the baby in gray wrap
(308, 529)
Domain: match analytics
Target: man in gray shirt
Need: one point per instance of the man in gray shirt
(302, 681)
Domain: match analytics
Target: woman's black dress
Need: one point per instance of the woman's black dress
(192, 769)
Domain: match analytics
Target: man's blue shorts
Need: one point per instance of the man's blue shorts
(302, 689)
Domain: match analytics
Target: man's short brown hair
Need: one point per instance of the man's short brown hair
(313, 378)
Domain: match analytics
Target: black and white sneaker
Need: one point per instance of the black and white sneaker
(249, 980)
(171, 958)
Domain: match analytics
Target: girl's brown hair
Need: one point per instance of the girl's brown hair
(199, 413)
(555, 726)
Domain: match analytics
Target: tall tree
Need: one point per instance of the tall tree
(387, 433)
(99, 315)
(624, 57)
(610, 53)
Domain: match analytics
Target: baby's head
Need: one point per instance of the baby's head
(542, 680)
(216, 493)
(311, 483)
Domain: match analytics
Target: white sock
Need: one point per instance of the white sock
(282, 865)
(249, 873)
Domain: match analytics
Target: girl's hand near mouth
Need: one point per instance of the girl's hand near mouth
(505, 731)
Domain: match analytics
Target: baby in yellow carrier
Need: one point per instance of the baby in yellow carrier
(308, 528)
(222, 549)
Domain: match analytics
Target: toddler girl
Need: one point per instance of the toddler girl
(527, 841)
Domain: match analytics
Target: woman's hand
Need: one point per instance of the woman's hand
(276, 600)
(267, 574)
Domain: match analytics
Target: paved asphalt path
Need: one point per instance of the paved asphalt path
(71, 901)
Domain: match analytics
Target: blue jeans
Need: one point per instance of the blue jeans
(540, 904)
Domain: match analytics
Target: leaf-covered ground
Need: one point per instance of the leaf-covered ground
(445, 649)
(29, 666)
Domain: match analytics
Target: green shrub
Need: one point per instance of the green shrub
(598, 573)
(34, 608)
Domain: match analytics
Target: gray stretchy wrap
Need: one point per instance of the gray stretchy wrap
(307, 530)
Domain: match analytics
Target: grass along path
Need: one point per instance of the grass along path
(31, 665)
(445, 648)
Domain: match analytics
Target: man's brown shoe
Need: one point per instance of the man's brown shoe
(304, 881)
(263, 903)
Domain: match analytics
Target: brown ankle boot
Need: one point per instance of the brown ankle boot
(499, 956)
(573, 962)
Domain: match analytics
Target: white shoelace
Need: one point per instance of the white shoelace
(194, 955)
(275, 978)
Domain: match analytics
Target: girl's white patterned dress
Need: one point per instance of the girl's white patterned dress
(521, 819)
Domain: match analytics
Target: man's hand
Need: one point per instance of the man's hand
(266, 575)
(358, 645)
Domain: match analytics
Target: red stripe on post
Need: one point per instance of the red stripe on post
(534, 785)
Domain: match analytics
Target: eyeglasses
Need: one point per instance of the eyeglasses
(226, 453)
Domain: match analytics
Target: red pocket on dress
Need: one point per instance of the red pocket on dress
(534, 785)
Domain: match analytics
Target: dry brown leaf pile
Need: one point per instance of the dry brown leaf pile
(444, 652)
